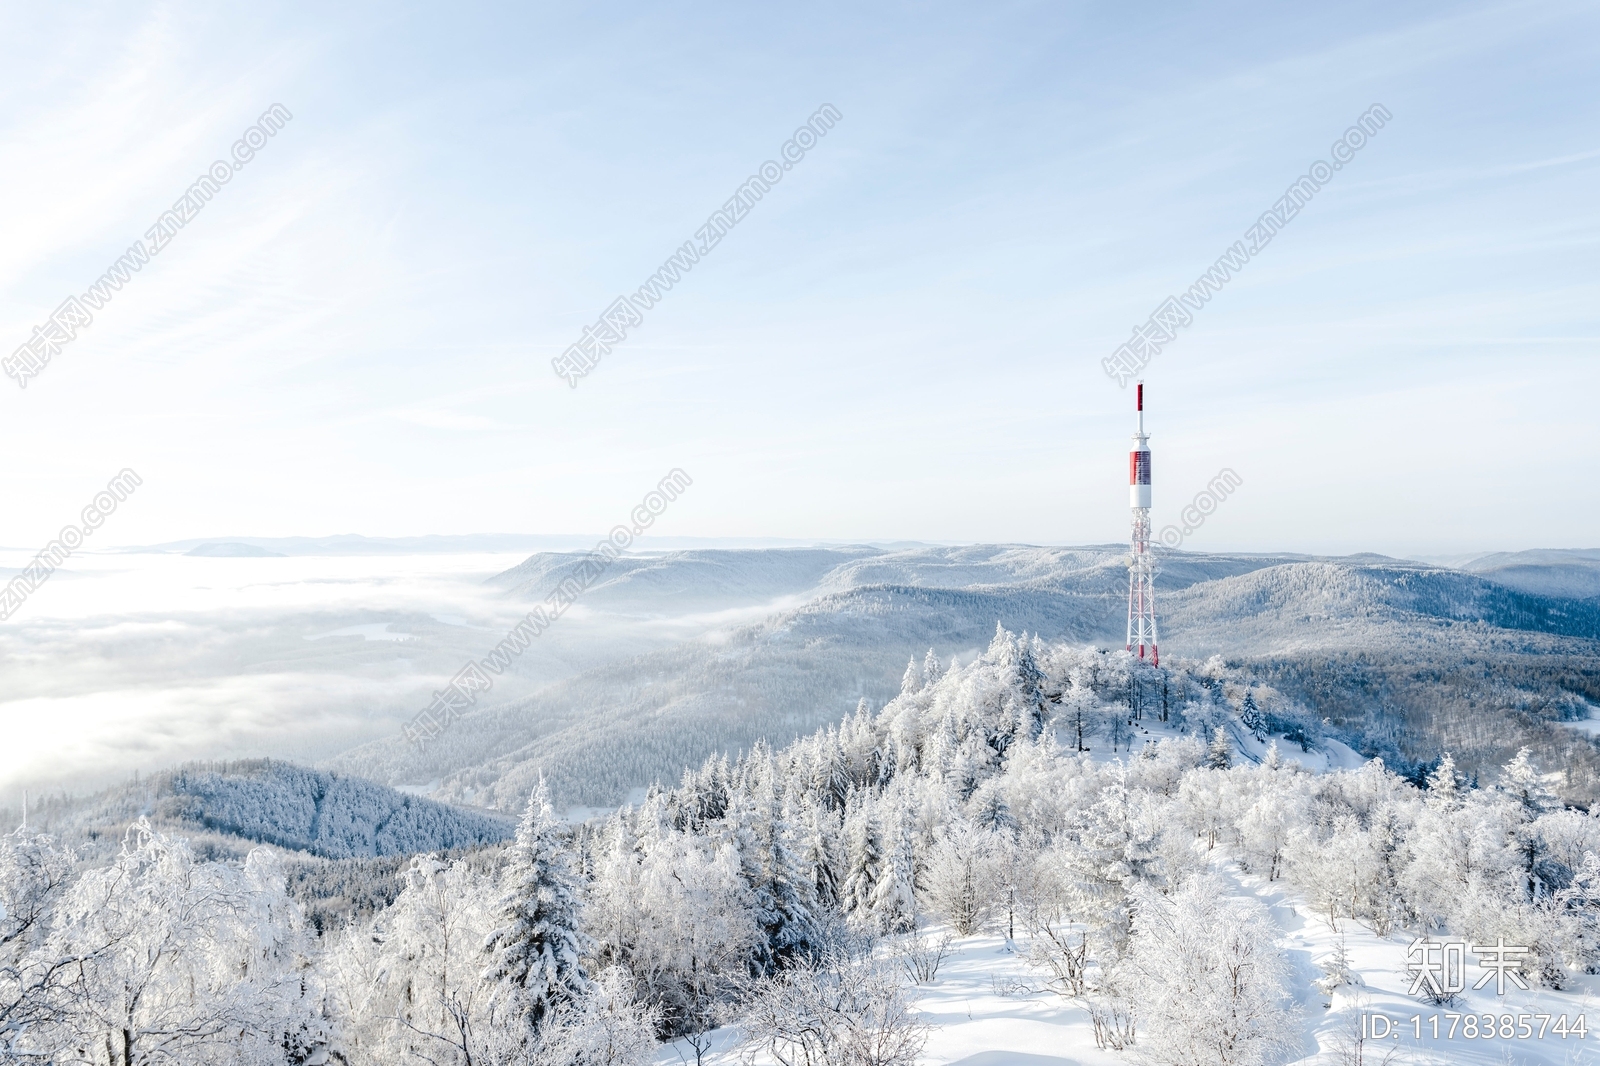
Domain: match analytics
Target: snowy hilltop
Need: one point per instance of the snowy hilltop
(1048, 854)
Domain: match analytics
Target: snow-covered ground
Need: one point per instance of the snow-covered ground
(1379, 966)
(1329, 754)
(1589, 725)
(989, 1007)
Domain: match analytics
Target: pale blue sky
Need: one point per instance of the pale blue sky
(901, 341)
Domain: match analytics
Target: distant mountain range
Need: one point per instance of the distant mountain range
(1400, 659)
(812, 631)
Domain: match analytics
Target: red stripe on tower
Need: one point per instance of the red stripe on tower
(1142, 638)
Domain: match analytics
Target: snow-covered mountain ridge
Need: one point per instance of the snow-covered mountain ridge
(838, 624)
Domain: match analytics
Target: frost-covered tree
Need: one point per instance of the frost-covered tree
(1209, 979)
(780, 892)
(411, 984)
(960, 876)
(602, 1027)
(893, 902)
(1523, 786)
(1219, 756)
(1116, 848)
(34, 873)
(536, 951)
(179, 962)
(1444, 785)
(821, 852)
(1081, 710)
(990, 810)
(1251, 718)
(680, 918)
(911, 681)
(864, 862)
(834, 1012)
(1265, 828)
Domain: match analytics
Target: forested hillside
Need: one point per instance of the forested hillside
(1357, 639)
(232, 806)
(1113, 825)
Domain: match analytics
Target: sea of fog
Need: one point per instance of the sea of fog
(125, 662)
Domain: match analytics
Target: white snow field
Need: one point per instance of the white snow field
(990, 1007)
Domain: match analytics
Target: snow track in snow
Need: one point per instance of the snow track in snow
(978, 1021)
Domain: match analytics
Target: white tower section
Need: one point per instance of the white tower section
(1141, 566)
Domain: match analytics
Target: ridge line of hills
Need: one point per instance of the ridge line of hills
(1401, 657)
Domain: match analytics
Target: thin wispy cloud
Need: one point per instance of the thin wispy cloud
(336, 340)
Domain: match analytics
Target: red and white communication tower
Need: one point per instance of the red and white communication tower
(1141, 567)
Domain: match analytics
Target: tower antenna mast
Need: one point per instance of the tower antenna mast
(1141, 566)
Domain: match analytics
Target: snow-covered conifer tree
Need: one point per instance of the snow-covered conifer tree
(820, 853)
(1521, 783)
(781, 893)
(1219, 756)
(1444, 785)
(830, 781)
(989, 810)
(894, 903)
(864, 862)
(1251, 718)
(911, 681)
(537, 951)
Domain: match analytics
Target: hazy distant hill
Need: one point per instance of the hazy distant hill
(823, 628)
(685, 580)
(1549, 572)
(232, 550)
(1378, 605)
